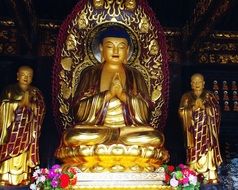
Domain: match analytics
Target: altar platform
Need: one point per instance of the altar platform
(203, 187)
(110, 181)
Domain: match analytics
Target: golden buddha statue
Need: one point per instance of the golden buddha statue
(200, 114)
(22, 111)
(111, 107)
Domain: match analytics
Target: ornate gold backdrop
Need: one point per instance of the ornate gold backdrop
(77, 49)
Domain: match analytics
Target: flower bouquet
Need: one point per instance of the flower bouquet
(181, 177)
(53, 178)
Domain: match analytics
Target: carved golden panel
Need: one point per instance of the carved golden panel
(67, 63)
(130, 4)
(218, 58)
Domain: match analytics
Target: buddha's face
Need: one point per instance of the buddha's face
(197, 82)
(114, 50)
(24, 76)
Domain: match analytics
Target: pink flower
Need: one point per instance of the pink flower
(182, 166)
(44, 171)
(185, 180)
(186, 172)
(53, 178)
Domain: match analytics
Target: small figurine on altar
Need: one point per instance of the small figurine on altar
(225, 96)
(200, 114)
(226, 106)
(224, 85)
(235, 107)
(216, 93)
(234, 97)
(215, 85)
(233, 85)
(22, 111)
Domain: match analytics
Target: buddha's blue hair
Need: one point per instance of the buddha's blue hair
(114, 31)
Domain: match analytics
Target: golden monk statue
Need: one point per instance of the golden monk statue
(22, 110)
(112, 106)
(200, 114)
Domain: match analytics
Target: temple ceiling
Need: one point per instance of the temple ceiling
(192, 21)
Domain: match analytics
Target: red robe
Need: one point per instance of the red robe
(21, 125)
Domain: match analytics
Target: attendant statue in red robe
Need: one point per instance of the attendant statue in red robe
(22, 111)
(200, 114)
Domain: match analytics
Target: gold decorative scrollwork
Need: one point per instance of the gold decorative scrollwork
(82, 21)
(70, 42)
(218, 58)
(7, 22)
(130, 4)
(156, 93)
(67, 63)
(144, 25)
(65, 90)
(98, 3)
(154, 47)
(49, 25)
(225, 35)
(211, 46)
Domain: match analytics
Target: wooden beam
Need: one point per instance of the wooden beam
(206, 15)
(25, 20)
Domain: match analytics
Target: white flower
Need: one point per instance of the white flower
(37, 173)
(174, 182)
(42, 179)
(193, 179)
(33, 186)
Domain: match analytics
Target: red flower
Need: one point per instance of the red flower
(73, 181)
(64, 180)
(170, 168)
(167, 178)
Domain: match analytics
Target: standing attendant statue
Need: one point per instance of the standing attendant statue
(200, 114)
(22, 111)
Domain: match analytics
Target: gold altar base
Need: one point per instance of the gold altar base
(113, 158)
(115, 164)
(112, 181)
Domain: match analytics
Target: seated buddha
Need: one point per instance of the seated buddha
(112, 103)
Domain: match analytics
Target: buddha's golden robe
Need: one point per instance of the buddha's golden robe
(92, 111)
(91, 107)
(20, 125)
(201, 129)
